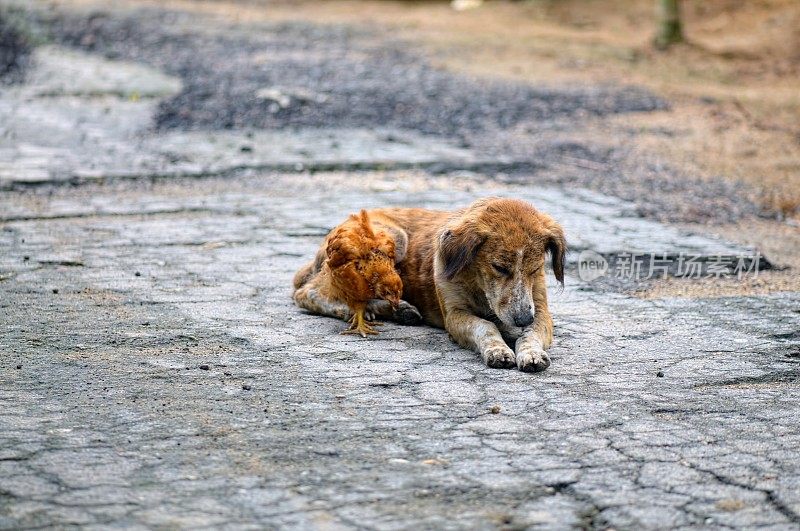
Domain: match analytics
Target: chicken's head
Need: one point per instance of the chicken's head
(385, 280)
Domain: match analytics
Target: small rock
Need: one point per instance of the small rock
(331, 452)
(137, 274)
(246, 149)
(280, 99)
(465, 5)
(730, 505)
(226, 373)
(19, 367)
(495, 410)
(55, 290)
(660, 374)
(210, 246)
(246, 387)
(204, 367)
(26, 258)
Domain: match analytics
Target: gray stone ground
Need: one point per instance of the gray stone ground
(155, 374)
(82, 118)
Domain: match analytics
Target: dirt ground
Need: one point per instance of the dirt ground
(734, 88)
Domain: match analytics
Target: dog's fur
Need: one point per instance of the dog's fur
(476, 272)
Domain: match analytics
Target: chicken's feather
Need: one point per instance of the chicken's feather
(361, 262)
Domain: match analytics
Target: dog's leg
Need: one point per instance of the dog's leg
(530, 353)
(310, 298)
(536, 338)
(405, 313)
(542, 322)
(482, 336)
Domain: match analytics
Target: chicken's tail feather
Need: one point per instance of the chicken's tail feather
(366, 225)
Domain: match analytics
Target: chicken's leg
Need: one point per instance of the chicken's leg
(359, 324)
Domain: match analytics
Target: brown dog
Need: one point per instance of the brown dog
(476, 272)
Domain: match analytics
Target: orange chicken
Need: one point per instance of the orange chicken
(360, 267)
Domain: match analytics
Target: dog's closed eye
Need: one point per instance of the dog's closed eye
(502, 270)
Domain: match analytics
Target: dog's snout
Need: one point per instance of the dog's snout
(524, 318)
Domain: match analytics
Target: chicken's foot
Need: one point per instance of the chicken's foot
(359, 325)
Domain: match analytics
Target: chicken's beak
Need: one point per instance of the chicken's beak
(394, 301)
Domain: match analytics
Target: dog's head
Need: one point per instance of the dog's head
(499, 246)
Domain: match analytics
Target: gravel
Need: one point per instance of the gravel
(279, 76)
(15, 46)
(337, 75)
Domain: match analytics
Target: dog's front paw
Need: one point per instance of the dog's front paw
(531, 357)
(499, 356)
(407, 314)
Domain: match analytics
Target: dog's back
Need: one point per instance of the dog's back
(419, 226)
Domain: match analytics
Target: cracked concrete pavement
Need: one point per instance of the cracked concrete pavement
(154, 372)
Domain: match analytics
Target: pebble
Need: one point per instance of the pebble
(331, 452)
(660, 374)
(246, 387)
(204, 367)
(495, 410)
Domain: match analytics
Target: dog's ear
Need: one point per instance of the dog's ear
(458, 248)
(400, 239)
(557, 247)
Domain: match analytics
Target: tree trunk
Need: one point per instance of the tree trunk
(670, 29)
